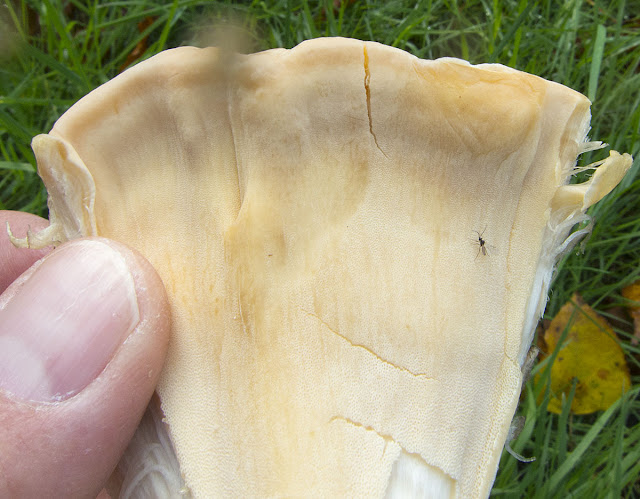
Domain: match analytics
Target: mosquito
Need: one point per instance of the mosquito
(482, 243)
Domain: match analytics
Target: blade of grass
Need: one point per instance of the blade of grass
(16, 166)
(508, 37)
(573, 458)
(596, 61)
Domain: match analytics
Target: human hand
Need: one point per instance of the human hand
(83, 335)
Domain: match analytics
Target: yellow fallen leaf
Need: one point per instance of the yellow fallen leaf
(632, 292)
(590, 355)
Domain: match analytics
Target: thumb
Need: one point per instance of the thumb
(83, 335)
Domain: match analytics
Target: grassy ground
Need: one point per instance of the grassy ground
(591, 46)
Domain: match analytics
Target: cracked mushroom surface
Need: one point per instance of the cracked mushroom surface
(315, 215)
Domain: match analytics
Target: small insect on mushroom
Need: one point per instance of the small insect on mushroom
(482, 244)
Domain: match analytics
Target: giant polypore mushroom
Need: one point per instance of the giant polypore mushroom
(312, 213)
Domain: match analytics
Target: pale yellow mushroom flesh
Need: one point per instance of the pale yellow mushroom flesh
(315, 216)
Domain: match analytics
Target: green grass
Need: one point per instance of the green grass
(62, 50)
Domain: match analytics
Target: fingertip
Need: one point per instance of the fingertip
(69, 447)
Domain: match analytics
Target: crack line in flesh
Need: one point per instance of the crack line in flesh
(368, 350)
(386, 438)
(367, 90)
